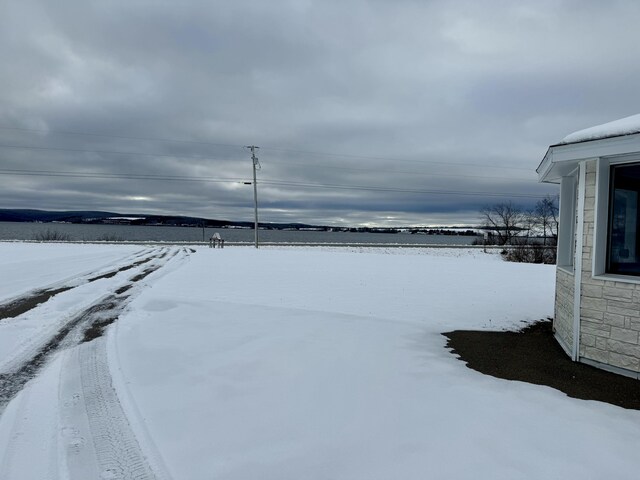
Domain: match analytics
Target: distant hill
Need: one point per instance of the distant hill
(100, 217)
(7, 215)
(112, 218)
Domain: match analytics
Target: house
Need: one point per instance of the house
(597, 299)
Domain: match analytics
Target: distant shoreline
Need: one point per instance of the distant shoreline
(233, 236)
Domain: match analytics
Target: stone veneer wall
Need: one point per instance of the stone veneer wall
(609, 310)
(563, 317)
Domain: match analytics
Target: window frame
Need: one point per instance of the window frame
(611, 267)
(567, 229)
(601, 221)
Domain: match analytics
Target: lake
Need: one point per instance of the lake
(77, 232)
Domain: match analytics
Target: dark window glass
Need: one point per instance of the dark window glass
(624, 218)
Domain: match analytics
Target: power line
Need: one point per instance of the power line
(281, 183)
(276, 149)
(123, 176)
(122, 137)
(361, 169)
(105, 152)
(401, 190)
(389, 159)
(199, 157)
(165, 155)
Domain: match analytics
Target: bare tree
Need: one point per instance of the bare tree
(528, 225)
(505, 220)
(545, 214)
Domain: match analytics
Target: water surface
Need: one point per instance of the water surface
(78, 232)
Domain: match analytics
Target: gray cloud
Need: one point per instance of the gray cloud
(374, 103)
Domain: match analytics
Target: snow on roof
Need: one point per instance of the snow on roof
(624, 126)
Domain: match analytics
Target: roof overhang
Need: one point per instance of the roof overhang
(560, 160)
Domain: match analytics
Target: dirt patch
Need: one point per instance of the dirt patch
(25, 304)
(144, 274)
(533, 355)
(12, 382)
(104, 275)
(88, 325)
(123, 289)
(121, 269)
(97, 328)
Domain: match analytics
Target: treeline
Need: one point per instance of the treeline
(442, 231)
(529, 235)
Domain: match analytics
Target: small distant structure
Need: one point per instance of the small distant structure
(216, 240)
(597, 300)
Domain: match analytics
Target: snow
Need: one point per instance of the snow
(623, 126)
(27, 266)
(29, 430)
(288, 363)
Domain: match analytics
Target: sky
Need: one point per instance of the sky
(378, 112)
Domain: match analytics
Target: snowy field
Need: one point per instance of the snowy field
(292, 363)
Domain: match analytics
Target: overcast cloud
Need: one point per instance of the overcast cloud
(362, 109)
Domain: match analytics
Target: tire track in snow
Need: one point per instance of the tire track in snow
(94, 320)
(23, 304)
(29, 447)
(93, 438)
(87, 433)
(113, 443)
(9, 453)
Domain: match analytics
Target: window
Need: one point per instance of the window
(566, 234)
(623, 240)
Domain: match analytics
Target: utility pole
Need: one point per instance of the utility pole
(256, 163)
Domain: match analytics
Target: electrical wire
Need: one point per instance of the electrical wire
(271, 182)
(389, 159)
(361, 169)
(275, 149)
(122, 137)
(400, 190)
(280, 183)
(128, 176)
(105, 152)
(164, 155)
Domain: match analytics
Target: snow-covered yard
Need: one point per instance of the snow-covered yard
(298, 363)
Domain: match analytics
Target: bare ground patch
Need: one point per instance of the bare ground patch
(532, 355)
